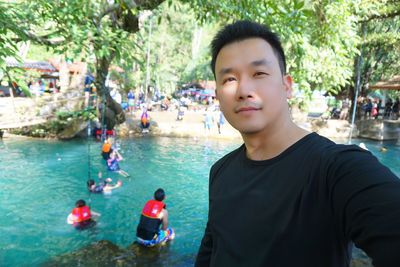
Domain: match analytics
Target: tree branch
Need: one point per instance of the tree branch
(41, 39)
(381, 16)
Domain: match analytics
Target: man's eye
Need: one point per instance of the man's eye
(229, 79)
(260, 73)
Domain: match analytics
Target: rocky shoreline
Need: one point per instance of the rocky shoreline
(164, 123)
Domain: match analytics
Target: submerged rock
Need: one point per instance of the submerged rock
(102, 253)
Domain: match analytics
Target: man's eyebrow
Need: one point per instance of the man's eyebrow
(261, 62)
(256, 63)
(225, 71)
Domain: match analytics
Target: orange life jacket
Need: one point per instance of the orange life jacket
(81, 214)
(145, 118)
(106, 147)
(153, 208)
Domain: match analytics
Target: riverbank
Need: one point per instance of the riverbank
(165, 123)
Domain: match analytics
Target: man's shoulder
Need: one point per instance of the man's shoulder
(227, 158)
(327, 148)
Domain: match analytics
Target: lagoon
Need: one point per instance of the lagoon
(41, 180)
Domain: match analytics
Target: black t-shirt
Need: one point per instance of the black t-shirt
(302, 208)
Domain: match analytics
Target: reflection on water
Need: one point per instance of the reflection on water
(41, 180)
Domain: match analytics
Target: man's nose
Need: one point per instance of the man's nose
(245, 88)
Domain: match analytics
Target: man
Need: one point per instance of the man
(154, 215)
(288, 197)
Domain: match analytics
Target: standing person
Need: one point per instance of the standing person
(208, 120)
(395, 108)
(221, 121)
(154, 215)
(344, 111)
(288, 197)
(131, 101)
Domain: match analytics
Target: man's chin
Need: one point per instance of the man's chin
(249, 130)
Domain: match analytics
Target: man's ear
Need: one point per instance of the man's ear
(288, 85)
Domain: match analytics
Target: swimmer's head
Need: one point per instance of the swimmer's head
(90, 183)
(80, 203)
(159, 194)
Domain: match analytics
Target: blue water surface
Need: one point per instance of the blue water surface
(41, 180)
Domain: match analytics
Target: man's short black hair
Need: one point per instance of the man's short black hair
(80, 203)
(245, 29)
(159, 194)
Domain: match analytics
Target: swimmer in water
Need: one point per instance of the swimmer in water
(81, 216)
(104, 186)
(113, 165)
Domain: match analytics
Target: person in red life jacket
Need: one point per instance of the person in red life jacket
(154, 215)
(81, 216)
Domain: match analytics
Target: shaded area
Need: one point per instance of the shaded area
(105, 253)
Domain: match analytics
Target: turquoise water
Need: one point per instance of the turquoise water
(41, 180)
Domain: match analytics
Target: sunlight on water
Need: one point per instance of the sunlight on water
(41, 180)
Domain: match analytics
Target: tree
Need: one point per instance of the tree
(380, 45)
(319, 37)
(100, 28)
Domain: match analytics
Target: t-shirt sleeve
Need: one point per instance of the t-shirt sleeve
(204, 255)
(365, 197)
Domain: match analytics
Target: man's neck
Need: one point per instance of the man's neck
(272, 142)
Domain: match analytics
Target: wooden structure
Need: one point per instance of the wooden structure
(381, 129)
(391, 84)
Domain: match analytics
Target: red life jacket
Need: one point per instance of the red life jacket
(110, 132)
(153, 208)
(81, 214)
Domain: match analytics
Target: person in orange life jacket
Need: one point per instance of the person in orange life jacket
(113, 165)
(154, 215)
(104, 186)
(106, 149)
(145, 119)
(81, 216)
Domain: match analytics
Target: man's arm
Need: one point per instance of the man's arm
(366, 200)
(164, 219)
(204, 255)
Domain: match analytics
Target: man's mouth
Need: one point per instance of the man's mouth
(247, 108)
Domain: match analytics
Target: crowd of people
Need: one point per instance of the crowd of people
(374, 108)
(153, 226)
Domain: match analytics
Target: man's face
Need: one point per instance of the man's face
(250, 87)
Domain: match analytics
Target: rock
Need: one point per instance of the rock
(73, 128)
(101, 253)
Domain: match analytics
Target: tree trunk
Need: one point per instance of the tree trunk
(113, 113)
